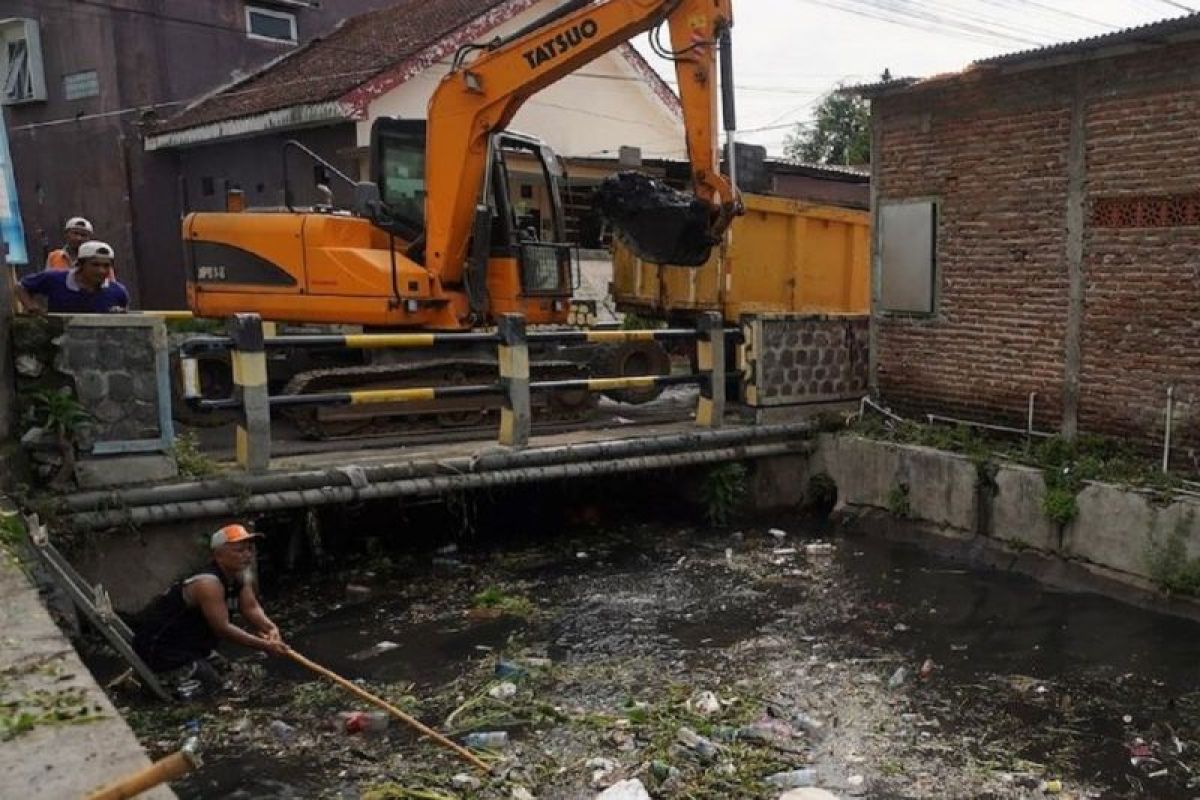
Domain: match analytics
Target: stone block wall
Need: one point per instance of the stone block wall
(804, 358)
(114, 365)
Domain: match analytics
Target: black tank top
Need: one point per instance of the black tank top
(169, 627)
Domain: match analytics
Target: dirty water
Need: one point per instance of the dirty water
(930, 679)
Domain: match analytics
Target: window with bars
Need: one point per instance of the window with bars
(20, 47)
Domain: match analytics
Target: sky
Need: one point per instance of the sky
(788, 53)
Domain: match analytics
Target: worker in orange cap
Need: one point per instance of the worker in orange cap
(178, 632)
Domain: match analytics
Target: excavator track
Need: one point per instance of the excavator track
(327, 422)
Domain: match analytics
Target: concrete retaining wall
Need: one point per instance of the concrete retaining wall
(1114, 533)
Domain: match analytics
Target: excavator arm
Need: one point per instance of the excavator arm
(479, 98)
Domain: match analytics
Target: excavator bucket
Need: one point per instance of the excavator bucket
(656, 223)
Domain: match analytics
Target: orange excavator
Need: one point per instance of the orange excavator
(432, 243)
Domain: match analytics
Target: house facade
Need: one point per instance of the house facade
(1037, 233)
(388, 63)
(83, 81)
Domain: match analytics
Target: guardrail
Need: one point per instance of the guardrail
(248, 346)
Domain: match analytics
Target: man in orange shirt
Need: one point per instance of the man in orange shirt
(77, 231)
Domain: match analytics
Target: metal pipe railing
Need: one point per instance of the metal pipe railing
(248, 346)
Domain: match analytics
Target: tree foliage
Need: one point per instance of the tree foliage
(839, 134)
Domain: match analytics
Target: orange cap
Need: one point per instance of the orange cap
(230, 534)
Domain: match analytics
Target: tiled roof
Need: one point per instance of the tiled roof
(328, 68)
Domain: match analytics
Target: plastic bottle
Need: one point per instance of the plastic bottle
(793, 779)
(490, 740)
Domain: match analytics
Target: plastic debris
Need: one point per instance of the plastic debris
(356, 592)
(367, 722)
(698, 744)
(810, 725)
(1051, 787)
(898, 678)
(632, 789)
(282, 732)
(818, 549)
(927, 669)
(767, 729)
(705, 704)
(488, 740)
(509, 669)
(377, 649)
(778, 534)
(602, 771)
(503, 691)
(808, 794)
(792, 778)
(662, 771)
(448, 550)
(464, 781)
(854, 781)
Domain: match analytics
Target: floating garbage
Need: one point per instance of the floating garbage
(705, 704)
(366, 722)
(282, 732)
(377, 649)
(503, 691)
(793, 778)
(698, 744)
(489, 740)
(632, 789)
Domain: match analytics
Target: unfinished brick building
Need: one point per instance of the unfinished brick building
(1037, 230)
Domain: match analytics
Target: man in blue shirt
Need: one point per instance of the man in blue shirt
(83, 289)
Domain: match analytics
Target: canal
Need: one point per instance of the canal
(604, 641)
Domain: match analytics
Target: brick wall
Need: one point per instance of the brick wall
(993, 149)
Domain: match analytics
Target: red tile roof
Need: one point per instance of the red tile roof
(327, 69)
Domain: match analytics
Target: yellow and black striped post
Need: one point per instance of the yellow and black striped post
(249, 359)
(710, 358)
(516, 417)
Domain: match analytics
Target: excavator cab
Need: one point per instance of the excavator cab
(518, 256)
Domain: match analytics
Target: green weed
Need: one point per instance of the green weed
(1170, 568)
(898, 501)
(494, 597)
(722, 492)
(192, 462)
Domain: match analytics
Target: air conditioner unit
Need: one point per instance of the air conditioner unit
(21, 63)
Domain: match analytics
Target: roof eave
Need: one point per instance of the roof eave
(281, 119)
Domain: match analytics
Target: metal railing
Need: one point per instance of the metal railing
(248, 346)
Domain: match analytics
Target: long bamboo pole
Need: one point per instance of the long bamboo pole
(165, 770)
(363, 694)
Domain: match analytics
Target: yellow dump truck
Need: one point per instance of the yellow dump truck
(783, 255)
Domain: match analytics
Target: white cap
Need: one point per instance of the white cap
(94, 249)
(78, 224)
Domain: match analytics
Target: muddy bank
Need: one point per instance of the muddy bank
(890, 672)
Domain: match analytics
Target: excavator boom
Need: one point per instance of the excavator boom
(480, 97)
